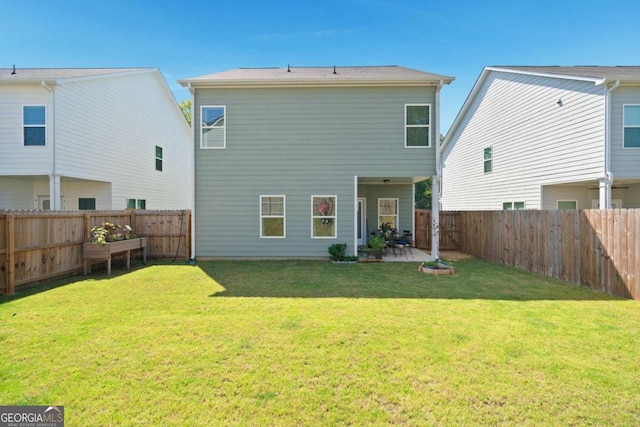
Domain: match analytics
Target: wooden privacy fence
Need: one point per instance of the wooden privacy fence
(36, 245)
(596, 248)
(449, 230)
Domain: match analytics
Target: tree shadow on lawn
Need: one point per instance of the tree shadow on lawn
(474, 279)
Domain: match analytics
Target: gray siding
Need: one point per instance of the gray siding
(298, 142)
(404, 194)
(625, 162)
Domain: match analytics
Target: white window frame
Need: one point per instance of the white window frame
(513, 206)
(35, 126)
(629, 126)
(406, 126)
(161, 158)
(397, 214)
(283, 216)
(484, 161)
(560, 201)
(333, 217)
(224, 127)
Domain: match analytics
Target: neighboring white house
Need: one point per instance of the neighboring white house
(92, 139)
(546, 138)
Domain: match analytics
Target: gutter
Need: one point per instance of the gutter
(54, 180)
(608, 177)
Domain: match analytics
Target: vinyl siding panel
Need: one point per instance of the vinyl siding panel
(107, 130)
(17, 193)
(298, 142)
(15, 158)
(534, 141)
(625, 162)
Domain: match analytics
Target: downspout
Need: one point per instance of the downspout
(54, 178)
(606, 181)
(435, 183)
(193, 171)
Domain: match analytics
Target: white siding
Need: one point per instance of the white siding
(107, 130)
(625, 162)
(535, 141)
(15, 158)
(17, 193)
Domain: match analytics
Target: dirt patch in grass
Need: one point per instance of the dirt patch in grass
(454, 255)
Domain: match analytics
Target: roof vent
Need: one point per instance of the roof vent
(14, 70)
(288, 68)
(334, 70)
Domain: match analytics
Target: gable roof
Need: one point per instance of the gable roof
(29, 75)
(596, 74)
(318, 76)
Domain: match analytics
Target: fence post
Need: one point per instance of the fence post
(10, 253)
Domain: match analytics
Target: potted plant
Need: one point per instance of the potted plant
(108, 239)
(377, 244)
(437, 267)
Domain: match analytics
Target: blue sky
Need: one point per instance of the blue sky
(191, 38)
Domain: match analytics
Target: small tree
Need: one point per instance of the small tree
(185, 107)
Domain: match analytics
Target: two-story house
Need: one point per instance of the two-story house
(546, 138)
(291, 160)
(92, 139)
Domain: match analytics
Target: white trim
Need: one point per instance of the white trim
(333, 217)
(406, 126)
(161, 158)
(615, 204)
(46, 126)
(224, 127)
(283, 216)
(566, 200)
(356, 202)
(363, 222)
(397, 214)
(630, 126)
(596, 80)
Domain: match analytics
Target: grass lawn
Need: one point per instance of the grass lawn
(313, 343)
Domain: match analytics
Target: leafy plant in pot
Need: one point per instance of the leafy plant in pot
(377, 246)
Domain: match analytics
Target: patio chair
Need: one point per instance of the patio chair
(405, 242)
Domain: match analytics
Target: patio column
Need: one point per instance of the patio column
(605, 194)
(435, 216)
(54, 192)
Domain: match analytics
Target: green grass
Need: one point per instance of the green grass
(315, 343)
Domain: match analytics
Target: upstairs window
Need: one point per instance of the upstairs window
(158, 158)
(488, 159)
(417, 125)
(272, 217)
(35, 127)
(632, 126)
(213, 132)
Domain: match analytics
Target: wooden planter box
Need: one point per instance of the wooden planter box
(437, 271)
(92, 252)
